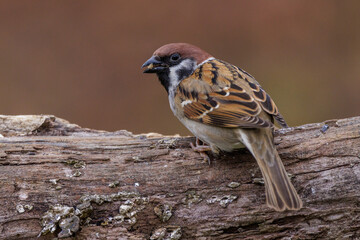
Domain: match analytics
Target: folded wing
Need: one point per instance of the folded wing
(220, 94)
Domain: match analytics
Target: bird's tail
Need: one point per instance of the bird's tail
(280, 193)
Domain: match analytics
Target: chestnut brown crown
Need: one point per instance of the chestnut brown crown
(185, 50)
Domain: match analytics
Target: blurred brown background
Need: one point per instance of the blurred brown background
(80, 60)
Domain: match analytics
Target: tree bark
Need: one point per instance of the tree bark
(60, 180)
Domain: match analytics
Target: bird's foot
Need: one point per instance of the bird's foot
(201, 148)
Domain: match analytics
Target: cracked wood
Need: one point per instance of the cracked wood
(46, 161)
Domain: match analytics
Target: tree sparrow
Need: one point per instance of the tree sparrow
(226, 108)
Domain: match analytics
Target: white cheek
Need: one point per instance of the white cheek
(174, 79)
(173, 76)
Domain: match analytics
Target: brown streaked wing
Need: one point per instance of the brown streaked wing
(267, 104)
(220, 101)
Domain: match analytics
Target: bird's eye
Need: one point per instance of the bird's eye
(174, 57)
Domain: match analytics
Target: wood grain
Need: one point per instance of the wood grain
(156, 187)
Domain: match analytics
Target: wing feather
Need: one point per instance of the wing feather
(223, 95)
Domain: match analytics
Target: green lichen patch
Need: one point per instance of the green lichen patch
(76, 173)
(28, 207)
(54, 181)
(158, 234)
(20, 208)
(167, 233)
(114, 184)
(191, 197)
(177, 153)
(69, 226)
(163, 211)
(166, 143)
(100, 199)
(233, 185)
(67, 220)
(132, 204)
(223, 201)
(291, 176)
(75, 163)
(130, 208)
(52, 218)
(258, 181)
(84, 210)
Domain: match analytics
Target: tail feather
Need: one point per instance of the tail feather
(280, 193)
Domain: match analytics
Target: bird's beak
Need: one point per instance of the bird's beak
(153, 65)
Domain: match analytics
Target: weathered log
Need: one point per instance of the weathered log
(58, 180)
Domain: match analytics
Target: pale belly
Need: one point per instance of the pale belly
(225, 139)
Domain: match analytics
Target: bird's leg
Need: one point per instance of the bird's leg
(201, 149)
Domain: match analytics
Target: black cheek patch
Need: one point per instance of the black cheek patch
(183, 73)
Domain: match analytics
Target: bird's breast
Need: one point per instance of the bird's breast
(225, 139)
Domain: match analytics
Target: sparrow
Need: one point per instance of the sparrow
(227, 109)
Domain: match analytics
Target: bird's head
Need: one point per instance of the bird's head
(174, 62)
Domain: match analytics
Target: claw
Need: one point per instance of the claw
(201, 149)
